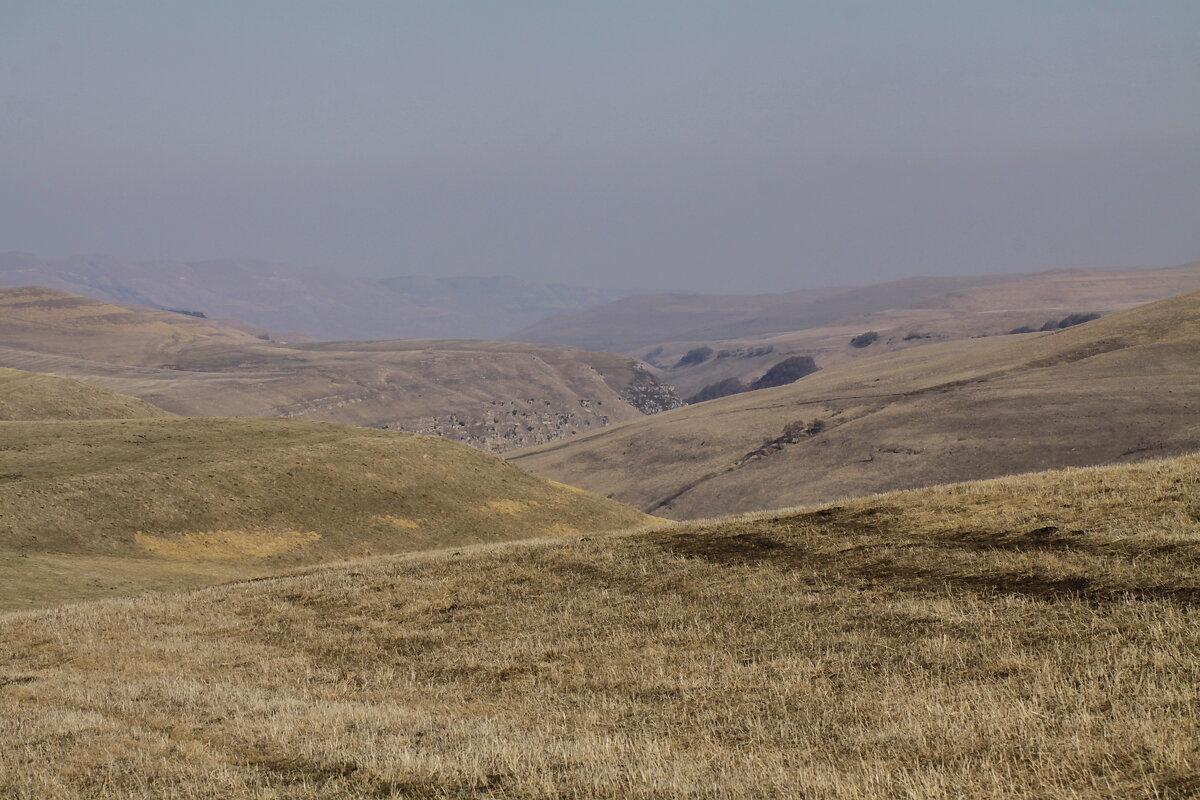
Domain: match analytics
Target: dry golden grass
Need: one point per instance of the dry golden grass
(102, 508)
(1032, 637)
(32, 396)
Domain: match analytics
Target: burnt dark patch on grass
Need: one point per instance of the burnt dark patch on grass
(876, 554)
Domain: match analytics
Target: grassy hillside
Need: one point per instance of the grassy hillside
(1123, 387)
(30, 396)
(1029, 637)
(94, 509)
(493, 395)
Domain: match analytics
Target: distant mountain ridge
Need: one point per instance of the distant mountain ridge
(635, 324)
(507, 302)
(316, 303)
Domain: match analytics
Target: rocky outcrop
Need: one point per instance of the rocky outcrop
(510, 424)
(648, 394)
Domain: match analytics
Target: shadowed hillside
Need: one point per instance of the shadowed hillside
(1019, 639)
(1123, 387)
(92, 509)
(30, 396)
(493, 395)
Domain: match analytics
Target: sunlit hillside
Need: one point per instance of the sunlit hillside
(112, 507)
(1030, 637)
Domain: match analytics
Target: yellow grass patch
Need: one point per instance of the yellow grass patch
(399, 522)
(224, 544)
(510, 506)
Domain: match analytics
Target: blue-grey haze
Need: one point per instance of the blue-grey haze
(734, 146)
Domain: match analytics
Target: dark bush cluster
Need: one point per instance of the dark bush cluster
(1070, 320)
(719, 389)
(697, 355)
(787, 371)
(753, 352)
(865, 339)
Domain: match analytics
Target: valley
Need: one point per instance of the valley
(1126, 386)
(492, 395)
(587, 401)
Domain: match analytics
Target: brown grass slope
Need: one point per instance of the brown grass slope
(92, 509)
(32, 396)
(1017, 639)
(494, 395)
(1124, 387)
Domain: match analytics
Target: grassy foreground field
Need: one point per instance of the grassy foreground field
(1028, 637)
(114, 507)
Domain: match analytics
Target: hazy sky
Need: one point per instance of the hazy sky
(739, 146)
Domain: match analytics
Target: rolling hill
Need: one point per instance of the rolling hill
(1015, 639)
(1123, 387)
(104, 507)
(493, 395)
(49, 321)
(33, 396)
